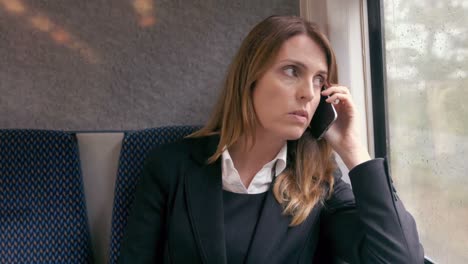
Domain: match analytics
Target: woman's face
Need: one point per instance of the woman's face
(286, 95)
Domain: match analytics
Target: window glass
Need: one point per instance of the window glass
(427, 95)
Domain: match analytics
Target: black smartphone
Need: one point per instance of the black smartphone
(324, 116)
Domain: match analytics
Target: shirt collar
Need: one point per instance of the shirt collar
(279, 159)
(262, 179)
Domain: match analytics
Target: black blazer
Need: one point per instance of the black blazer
(177, 216)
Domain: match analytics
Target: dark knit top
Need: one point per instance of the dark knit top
(241, 213)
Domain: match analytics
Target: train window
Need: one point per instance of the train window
(426, 61)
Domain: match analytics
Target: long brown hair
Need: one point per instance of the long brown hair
(308, 177)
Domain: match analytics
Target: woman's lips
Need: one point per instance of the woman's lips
(300, 115)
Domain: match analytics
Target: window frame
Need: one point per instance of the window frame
(345, 24)
(378, 76)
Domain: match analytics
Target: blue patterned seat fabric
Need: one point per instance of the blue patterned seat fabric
(42, 207)
(135, 147)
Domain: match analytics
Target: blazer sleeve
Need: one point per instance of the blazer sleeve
(368, 223)
(144, 235)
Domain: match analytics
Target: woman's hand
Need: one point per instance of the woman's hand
(344, 134)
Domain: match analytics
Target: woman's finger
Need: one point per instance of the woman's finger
(337, 98)
(335, 89)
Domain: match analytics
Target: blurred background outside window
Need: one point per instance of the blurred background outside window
(427, 95)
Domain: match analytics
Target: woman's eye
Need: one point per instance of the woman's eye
(319, 81)
(291, 71)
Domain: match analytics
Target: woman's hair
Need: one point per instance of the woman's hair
(308, 177)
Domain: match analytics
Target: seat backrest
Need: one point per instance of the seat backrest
(135, 148)
(42, 207)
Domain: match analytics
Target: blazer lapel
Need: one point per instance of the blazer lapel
(203, 187)
(272, 226)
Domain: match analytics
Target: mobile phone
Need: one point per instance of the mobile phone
(323, 118)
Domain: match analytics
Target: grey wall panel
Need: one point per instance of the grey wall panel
(99, 155)
(119, 64)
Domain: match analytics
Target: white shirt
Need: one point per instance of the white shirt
(261, 181)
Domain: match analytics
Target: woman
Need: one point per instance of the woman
(254, 186)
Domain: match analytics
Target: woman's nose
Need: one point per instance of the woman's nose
(307, 91)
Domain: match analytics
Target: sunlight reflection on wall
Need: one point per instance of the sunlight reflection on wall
(145, 12)
(57, 33)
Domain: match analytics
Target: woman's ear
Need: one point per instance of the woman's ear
(252, 86)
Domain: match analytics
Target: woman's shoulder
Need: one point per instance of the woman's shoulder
(165, 161)
(181, 149)
(170, 150)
